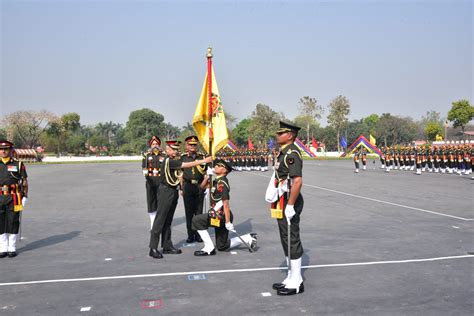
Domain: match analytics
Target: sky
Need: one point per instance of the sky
(104, 59)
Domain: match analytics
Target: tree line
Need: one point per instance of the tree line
(65, 134)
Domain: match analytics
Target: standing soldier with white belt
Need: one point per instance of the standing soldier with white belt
(13, 196)
(288, 173)
(151, 170)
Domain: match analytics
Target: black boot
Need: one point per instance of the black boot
(155, 254)
(172, 251)
(278, 286)
(285, 291)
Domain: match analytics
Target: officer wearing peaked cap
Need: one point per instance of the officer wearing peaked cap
(193, 194)
(287, 207)
(170, 173)
(13, 197)
(151, 162)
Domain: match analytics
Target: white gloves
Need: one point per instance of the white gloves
(289, 212)
(230, 227)
(210, 172)
(145, 172)
(24, 200)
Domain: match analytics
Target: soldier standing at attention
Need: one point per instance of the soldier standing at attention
(288, 173)
(193, 195)
(13, 197)
(170, 173)
(151, 170)
(356, 161)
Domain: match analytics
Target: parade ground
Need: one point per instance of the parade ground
(375, 243)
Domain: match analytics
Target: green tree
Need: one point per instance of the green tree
(171, 131)
(430, 123)
(396, 130)
(310, 112)
(264, 123)
(460, 114)
(97, 141)
(141, 125)
(308, 126)
(432, 129)
(240, 133)
(25, 127)
(64, 127)
(371, 123)
(109, 130)
(339, 109)
(76, 144)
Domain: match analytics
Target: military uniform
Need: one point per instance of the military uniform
(170, 171)
(356, 161)
(14, 189)
(220, 192)
(289, 166)
(151, 163)
(193, 195)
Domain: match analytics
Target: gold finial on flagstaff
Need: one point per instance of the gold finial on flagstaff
(209, 52)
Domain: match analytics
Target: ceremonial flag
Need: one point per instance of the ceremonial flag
(372, 139)
(209, 119)
(343, 142)
(250, 144)
(314, 143)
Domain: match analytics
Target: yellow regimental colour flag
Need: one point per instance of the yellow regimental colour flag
(201, 122)
(372, 139)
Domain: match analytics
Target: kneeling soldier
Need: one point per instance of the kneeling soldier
(219, 216)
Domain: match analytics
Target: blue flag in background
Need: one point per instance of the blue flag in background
(343, 142)
(270, 143)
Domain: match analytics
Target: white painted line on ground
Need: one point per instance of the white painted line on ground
(265, 294)
(141, 276)
(108, 259)
(86, 309)
(379, 201)
(455, 227)
(233, 252)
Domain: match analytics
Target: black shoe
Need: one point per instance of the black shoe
(190, 240)
(155, 254)
(3, 254)
(285, 291)
(198, 238)
(253, 235)
(172, 251)
(253, 244)
(11, 254)
(205, 253)
(278, 286)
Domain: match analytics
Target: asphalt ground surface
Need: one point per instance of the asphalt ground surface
(375, 244)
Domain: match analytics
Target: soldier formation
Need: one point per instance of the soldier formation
(450, 159)
(246, 159)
